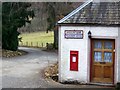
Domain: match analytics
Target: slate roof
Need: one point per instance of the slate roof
(107, 13)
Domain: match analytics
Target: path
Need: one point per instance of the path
(27, 70)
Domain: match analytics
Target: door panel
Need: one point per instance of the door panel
(107, 72)
(102, 68)
(97, 71)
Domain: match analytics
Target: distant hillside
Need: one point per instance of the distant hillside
(43, 16)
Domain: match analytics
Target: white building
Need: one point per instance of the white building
(89, 44)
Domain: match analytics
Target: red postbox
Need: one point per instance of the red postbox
(74, 60)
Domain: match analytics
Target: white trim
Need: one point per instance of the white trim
(118, 57)
(59, 55)
(88, 60)
(116, 62)
(104, 37)
(75, 11)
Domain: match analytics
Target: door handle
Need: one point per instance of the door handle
(114, 50)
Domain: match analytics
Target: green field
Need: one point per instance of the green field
(38, 39)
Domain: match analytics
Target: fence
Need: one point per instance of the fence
(33, 44)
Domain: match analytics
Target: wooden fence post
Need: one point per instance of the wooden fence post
(26, 43)
(42, 44)
(31, 44)
(21, 44)
(37, 44)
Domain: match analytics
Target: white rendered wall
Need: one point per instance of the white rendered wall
(83, 46)
(119, 55)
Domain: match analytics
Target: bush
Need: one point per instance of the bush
(49, 46)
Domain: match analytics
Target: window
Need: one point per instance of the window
(103, 51)
(107, 57)
(97, 56)
(108, 45)
(98, 45)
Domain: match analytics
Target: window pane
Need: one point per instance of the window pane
(107, 57)
(98, 45)
(108, 45)
(97, 56)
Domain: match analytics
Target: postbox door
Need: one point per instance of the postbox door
(74, 60)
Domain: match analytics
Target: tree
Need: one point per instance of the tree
(56, 11)
(14, 16)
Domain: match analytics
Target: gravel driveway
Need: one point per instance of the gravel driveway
(27, 71)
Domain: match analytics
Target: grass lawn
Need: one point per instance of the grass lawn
(37, 38)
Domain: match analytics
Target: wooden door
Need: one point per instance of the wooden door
(102, 64)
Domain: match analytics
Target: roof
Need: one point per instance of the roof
(94, 13)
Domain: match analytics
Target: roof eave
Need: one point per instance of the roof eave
(87, 24)
(74, 11)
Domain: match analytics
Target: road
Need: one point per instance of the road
(27, 71)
